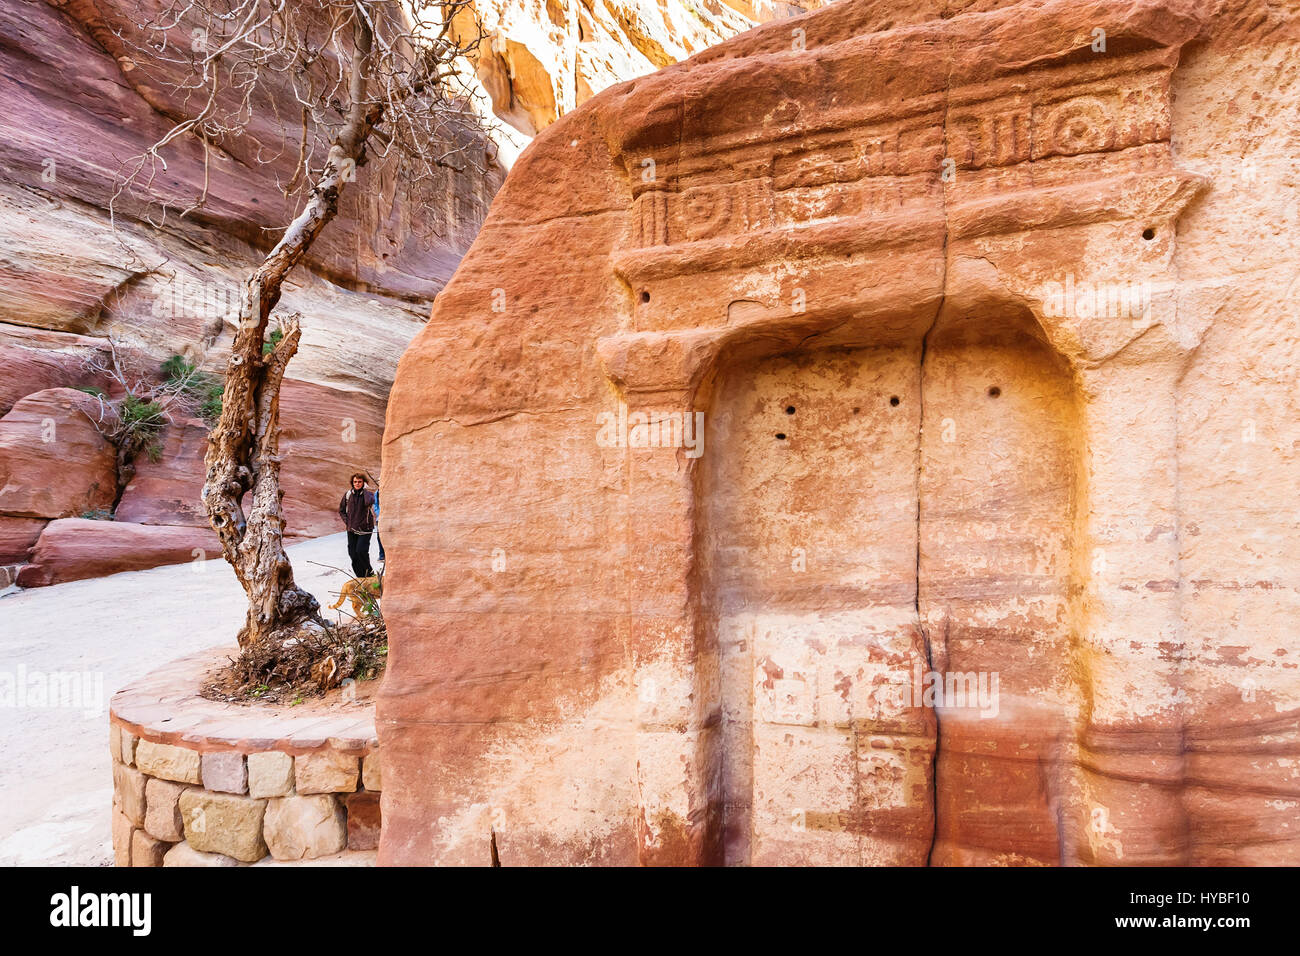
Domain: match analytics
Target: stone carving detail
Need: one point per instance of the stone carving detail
(706, 211)
(875, 169)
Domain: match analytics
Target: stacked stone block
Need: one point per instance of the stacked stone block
(179, 806)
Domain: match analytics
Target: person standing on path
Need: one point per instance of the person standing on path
(357, 509)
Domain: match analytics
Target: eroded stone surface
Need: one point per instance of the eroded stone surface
(305, 827)
(364, 820)
(54, 461)
(372, 772)
(162, 817)
(226, 772)
(985, 369)
(146, 851)
(127, 747)
(270, 774)
(182, 854)
(541, 60)
(72, 549)
(224, 823)
(326, 771)
(168, 761)
(129, 788)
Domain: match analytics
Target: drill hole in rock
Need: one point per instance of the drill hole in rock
(789, 409)
(994, 391)
(780, 436)
(893, 400)
(1148, 234)
(645, 296)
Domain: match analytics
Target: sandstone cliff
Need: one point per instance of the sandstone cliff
(985, 551)
(542, 58)
(76, 109)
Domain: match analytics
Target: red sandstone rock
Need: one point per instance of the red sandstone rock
(166, 491)
(17, 537)
(328, 434)
(68, 282)
(162, 817)
(54, 462)
(304, 827)
(869, 252)
(71, 549)
(364, 820)
(146, 851)
(34, 360)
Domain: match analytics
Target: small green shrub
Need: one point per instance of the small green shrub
(139, 415)
(269, 347)
(201, 387)
(92, 390)
(176, 369)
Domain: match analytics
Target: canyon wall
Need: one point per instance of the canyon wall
(539, 59)
(78, 112)
(868, 441)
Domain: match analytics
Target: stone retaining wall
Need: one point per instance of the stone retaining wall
(201, 783)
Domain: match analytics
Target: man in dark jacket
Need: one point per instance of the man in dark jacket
(357, 509)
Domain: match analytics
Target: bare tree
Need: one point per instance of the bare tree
(372, 80)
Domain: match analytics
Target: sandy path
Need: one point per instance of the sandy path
(54, 761)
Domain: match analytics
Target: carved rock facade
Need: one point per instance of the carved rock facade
(868, 441)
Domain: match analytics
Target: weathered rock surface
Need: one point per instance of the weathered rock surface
(129, 788)
(54, 461)
(326, 771)
(179, 764)
(996, 384)
(224, 823)
(365, 820)
(35, 359)
(72, 549)
(146, 851)
(225, 772)
(182, 854)
(540, 60)
(18, 537)
(372, 772)
(73, 116)
(70, 281)
(270, 774)
(162, 490)
(305, 827)
(162, 818)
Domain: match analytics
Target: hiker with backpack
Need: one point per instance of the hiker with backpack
(358, 509)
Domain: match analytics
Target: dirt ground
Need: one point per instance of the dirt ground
(100, 635)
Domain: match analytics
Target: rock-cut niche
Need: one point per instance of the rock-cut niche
(872, 516)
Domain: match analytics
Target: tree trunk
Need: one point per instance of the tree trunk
(243, 449)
